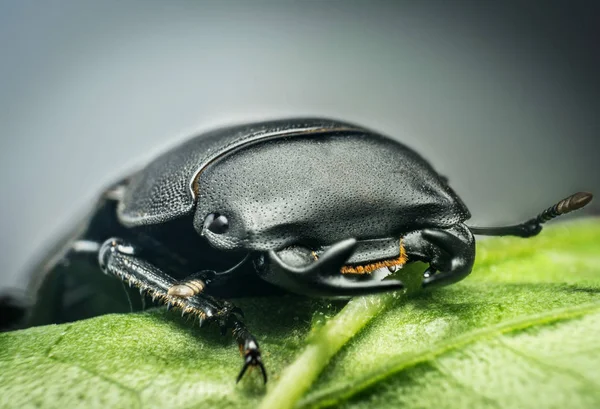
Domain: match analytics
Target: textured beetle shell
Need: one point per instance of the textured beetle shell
(161, 191)
(315, 190)
(308, 181)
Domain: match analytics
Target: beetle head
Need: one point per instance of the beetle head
(315, 192)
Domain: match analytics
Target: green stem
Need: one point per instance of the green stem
(299, 376)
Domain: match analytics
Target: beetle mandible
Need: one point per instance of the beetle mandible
(309, 206)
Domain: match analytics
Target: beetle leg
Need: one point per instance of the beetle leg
(197, 282)
(300, 273)
(450, 254)
(248, 348)
(191, 285)
(119, 258)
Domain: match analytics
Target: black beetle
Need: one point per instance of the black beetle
(311, 206)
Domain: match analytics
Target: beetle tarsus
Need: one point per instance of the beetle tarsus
(248, 347)
(252, 362)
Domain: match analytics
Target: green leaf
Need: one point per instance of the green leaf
(520, 332)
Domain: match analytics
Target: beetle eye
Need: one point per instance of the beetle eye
(216, 223)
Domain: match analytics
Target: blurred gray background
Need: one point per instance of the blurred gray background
(502, 98)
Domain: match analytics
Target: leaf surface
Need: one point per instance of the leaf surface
(521, 331)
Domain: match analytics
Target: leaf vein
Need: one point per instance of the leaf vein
(344, 391)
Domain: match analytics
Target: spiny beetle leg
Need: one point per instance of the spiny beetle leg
(118, 258)
(192, 285)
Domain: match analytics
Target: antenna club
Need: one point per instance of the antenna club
(534, 226)
(567, 205)
(574, 202)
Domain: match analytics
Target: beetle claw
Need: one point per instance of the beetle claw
(252, 360)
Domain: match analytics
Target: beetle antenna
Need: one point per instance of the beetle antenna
(533, 226)
(238, 265)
